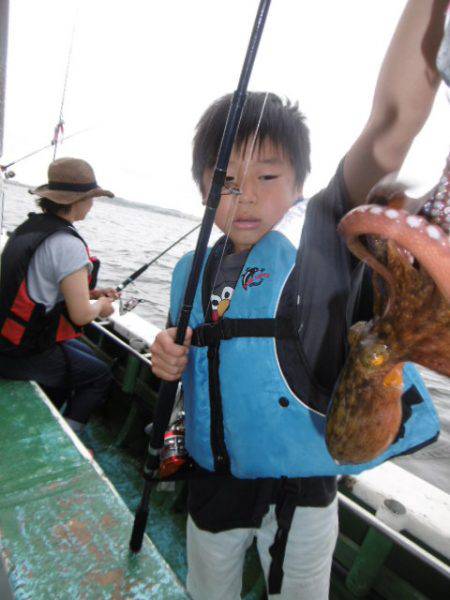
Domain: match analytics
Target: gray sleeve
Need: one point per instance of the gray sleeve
(60, 255)
(63, 254)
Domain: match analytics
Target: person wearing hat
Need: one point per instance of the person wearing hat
(47, 282)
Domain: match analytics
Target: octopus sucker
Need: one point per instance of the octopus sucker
(409, 255)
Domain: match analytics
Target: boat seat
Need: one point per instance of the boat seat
(64, 530)
(133, 327)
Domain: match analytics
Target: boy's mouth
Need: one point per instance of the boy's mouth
(246, 224)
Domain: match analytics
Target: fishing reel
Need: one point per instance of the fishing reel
(130, 304)
(174, 454)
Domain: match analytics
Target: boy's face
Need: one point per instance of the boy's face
(268, 189)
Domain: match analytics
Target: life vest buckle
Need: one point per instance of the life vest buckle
(210, 334)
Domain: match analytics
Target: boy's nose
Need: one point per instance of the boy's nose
(248, 194)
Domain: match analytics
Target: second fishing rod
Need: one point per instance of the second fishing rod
(144, 267)
(167, 393)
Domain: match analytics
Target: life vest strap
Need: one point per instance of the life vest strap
(209, 334)
(284, 509)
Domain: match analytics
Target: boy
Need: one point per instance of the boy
(255, 394)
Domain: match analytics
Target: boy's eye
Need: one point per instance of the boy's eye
(268, 177)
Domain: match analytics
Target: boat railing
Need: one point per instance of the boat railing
(101, 326)
(374, 521)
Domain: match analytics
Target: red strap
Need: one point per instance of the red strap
(12, 331)
(23, 306)
(65, 330)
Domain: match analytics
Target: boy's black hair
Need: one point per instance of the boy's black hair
(282, 123)
(53, 208)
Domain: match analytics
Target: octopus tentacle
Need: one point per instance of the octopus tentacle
(426, 242)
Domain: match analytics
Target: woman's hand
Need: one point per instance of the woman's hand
(106, 306)
(109, 292)
(169, 359)
(76, 294)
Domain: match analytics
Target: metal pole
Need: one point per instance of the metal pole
(4, 15)
(142, 357)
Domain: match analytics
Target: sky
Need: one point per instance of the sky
(142, 72)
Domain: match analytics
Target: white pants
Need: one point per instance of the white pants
(215, 560)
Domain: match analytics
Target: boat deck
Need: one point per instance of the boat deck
(64, 530)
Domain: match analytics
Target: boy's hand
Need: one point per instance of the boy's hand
(169, 359)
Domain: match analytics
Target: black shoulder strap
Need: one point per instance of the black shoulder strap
(45, 224)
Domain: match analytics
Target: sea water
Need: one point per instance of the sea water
(126, 235)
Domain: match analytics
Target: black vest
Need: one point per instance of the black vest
(25, 327)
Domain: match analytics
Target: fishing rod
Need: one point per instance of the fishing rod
(139, 272)
(168, 389)
(59, 128)
(17, 160)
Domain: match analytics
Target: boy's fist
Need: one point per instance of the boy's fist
(169, 359)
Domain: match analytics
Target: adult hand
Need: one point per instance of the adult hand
(109, 292)
(106, 307)
(169, 359)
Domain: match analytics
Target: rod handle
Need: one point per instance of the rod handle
(139, 525)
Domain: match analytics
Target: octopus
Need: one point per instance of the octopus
(409, 254)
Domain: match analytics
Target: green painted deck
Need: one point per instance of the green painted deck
(64, 530)
(166, 525)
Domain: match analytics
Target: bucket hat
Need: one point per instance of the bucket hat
(70, 180)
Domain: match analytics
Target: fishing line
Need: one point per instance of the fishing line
(237, 192)
(230, 216)
(59, 128)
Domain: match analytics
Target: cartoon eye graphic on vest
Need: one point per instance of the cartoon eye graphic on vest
(220, 304)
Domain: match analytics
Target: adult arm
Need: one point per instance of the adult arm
(403, 98)
(75, 290)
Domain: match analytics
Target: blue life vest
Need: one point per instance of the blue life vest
(242, 414)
